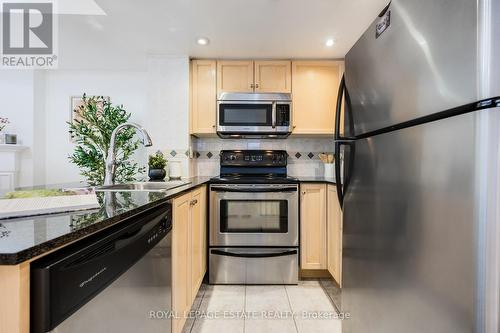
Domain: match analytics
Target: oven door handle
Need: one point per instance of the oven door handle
(254, 190)
(254, 255)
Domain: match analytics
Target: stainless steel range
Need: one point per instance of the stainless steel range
(254, 220)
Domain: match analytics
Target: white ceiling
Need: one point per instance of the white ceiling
(132, 29)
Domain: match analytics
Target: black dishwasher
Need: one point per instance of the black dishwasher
(116, 280)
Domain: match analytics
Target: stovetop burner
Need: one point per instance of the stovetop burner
(253, 167)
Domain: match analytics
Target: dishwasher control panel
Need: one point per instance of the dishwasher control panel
(159, 231)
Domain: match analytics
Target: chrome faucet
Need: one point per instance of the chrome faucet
(109, 177)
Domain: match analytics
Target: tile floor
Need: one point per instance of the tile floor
(261, 309)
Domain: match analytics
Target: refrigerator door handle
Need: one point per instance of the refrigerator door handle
(338, 180)
(338, 112)
(347, 165)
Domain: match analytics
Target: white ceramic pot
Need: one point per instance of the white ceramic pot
(175, 170)
(329, 170)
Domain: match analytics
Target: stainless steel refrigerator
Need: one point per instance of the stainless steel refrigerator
(418, 102)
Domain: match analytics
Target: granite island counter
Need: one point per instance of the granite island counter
(23, 240)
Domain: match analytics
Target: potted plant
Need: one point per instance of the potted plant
(157, 164)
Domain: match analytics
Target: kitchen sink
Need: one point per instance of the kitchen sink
(143, 186)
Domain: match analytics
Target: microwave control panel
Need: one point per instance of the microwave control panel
(283, 114)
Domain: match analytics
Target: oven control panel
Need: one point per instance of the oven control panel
(276, 158)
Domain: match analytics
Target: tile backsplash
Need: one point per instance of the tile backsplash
(303, 153)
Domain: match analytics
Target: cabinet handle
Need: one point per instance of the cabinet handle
(256, 85)
(303, 192)
(213, 126)
(252, 86)
(193, 202)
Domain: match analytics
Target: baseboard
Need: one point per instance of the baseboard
(315, 273)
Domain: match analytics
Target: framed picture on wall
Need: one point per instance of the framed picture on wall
(76, 102)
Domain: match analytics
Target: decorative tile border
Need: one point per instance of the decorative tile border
(295, 155)
(177, 153)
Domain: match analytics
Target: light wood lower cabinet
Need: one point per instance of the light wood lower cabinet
(321, 230)
(15, 298)
(313, 226)
(334, 231)
(188, 252)
(181, 289)
(198, 240)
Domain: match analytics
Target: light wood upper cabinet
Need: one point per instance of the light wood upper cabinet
(313, 84)
(313, 226)
(181, 268)
(334, 230)
(203, 96)
(234, 76)
(314, 89)
(273, 76)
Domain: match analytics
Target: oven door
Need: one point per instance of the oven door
(254, 215)
(246, 117)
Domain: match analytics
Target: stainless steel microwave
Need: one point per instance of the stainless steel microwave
(250, 115)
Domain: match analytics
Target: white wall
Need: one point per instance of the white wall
(16, 103)
(38, 105)
(167, 118)
(157, 98)
(39, 127)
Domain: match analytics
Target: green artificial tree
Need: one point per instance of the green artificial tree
(94, 121)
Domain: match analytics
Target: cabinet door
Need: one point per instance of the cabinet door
(198, 239)
(204, 232)
(313, 226)
(334, 231)
(315, 88)
(273, 76)
(203, 96)
(181, 271)
(234, 76)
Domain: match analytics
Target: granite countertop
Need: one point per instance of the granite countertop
(319, 179)
(22, 239)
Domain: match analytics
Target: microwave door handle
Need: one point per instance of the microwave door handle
(274, 115)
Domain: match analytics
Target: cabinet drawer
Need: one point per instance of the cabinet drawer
(253, 265)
